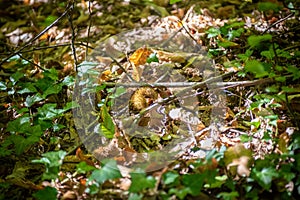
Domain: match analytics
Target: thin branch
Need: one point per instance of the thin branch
(277, 22)
(73, 41)
(31, 62)
(52, 46)
(38, 36)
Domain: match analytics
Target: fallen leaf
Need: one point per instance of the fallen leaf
(139, 57)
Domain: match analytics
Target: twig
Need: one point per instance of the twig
(52, 46)
(73, 41)
(38, 36)
(277, 22)
(89, 29)
(31, 62)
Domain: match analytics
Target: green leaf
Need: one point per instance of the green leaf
(228, 195)
(52, 160)
(54, 89)
(83, 168)
(107, 126)
(48, 193)
(170, 177)
(49, 111)
(30, 100)
(134, 196)
(194, 182)
(256, 68)
(21, 144)
(174, 1)
(68, 81)
(180, 193)
(256, 41)
(140, 182)
(265, 176)
(227, 44)
(152, 58)
(109, 171)
(267, 6)
(2, 86)
(295, 71)
(16, 77)
(213, 32)
(268, 54)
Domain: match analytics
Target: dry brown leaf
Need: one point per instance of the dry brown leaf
(139, 57)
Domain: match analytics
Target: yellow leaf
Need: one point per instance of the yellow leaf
(139, 57)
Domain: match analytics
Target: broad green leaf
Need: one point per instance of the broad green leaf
(140, 182)
(16, 77)
(268, 54)
(48, 193)
(256, 68)
(194, 182)
(21, 143)
(134, 196)
(83, 168)
(170, 177)
(109, 171)
(54, 89)
(2, 86)
(265, 176)
(27, 88)
(213, 32)
(52, 160)
(255, 41)
(49, 111)
(228, 195)
(180, 193)
(69, 81)
(30, 100)
(295, 71)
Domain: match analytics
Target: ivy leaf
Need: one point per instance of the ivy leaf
(48, 193)
(213, 32)
(265, 176)
(109, 171)
(27, 88)
(194, 182)
(52, 160)
(228, 195)
(256, 68)
(140, 181)
(30, 100)
(170, 177)
(49, 111)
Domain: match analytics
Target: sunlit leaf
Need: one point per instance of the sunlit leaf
(256, 68)
(109, 171)
(107, 126)
(258, 40)
(52, 160)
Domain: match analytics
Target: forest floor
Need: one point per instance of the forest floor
(149, 100)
